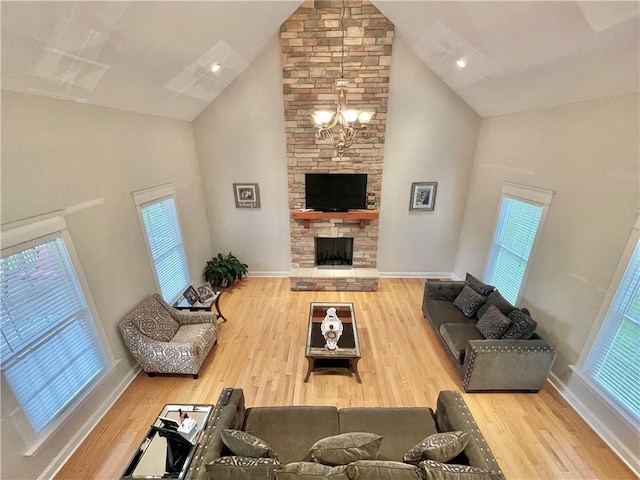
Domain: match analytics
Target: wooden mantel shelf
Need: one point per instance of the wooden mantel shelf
(361, 216)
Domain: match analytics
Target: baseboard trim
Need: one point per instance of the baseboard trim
(63, 456)
(607, 436)
(416, 274)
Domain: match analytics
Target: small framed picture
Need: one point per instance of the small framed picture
(247, 195)
(205, 292)
(423, 196)
(191, 295)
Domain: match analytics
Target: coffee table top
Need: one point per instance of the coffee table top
(348, 345)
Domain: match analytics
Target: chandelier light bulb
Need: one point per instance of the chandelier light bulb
(350, 116)
(322, 117)
(215, 67)
(461, 63)
(365, 117)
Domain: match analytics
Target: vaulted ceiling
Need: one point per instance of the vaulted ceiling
(154, 57)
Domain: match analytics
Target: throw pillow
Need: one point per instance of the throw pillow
(499, 301)
(493, 324)
(441, 447)
(346, 448)
(240, 468)
(244, 444)
(478, 285)
(468, 301)
(522, 326)
(310, 471)
(446, 471)
(382, 470)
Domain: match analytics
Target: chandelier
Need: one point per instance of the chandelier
(341, 127)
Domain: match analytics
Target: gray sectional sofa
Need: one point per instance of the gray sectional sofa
(291, 431)
(485, 364)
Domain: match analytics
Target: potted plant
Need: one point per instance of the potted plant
(224, 271)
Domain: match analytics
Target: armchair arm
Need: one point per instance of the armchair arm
(190, 318)
(507, 364)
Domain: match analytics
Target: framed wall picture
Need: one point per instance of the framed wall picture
(191, 295)
(423, 196)
(247, 195)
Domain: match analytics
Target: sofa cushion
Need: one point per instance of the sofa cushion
(291, 430)
(345, 448)
(401, 427)
(522, 326)
(493, 324)
(382, 470)
(495, 298)
(457, 335)
(311, 471)
(478, 285)
(440, 447)
(198, 336)
(469, 301)
(241, 468)
(441, 311)
(433, 470)
(244, 444)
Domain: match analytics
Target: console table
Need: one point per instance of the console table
(165, 452)
(361, 216)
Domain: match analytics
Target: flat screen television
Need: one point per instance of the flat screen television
(335, 192)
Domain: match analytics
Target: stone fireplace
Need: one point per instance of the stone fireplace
(311, 41)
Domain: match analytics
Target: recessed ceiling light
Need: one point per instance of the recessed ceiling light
(215, 67)
(461, 63)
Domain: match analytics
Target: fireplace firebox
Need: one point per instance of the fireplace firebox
(334, 251)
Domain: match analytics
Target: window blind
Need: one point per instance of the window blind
(614, 361)
(50, 348)
(513, 240)
(165, 242)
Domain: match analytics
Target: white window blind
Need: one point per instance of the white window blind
(165, 243)
(50, 348)
(614, 360)
(512, 243)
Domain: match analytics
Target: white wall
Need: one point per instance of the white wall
(431, 137)
(588, 153)
(57, 155)
(241, 138)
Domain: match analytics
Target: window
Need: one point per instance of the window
(159, 217)
(521, 213)
(614, 360)
(51, 350)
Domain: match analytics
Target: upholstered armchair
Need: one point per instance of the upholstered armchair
(163, 339)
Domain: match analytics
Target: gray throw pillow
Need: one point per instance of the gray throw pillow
(522, 326)
(346, 448)
(382, 470)
(468, 301)
(478, 285)
(496, 298)
(244, 444)
(446, 471)
(241, 468)
(441, 447)
(310, 471)
(493, 324)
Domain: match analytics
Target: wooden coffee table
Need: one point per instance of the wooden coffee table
(344, 358)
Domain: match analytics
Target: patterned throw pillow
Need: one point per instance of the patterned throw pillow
(479, 286)
(241, 468)
(441, 447)
(493, 324)
(244, 444)
(468, 301)
(439, 471)
(346, 448)
(522, 326)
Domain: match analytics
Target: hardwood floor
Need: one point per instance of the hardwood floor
(261, 349)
